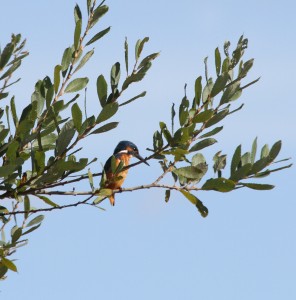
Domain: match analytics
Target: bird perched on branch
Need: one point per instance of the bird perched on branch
(115, 173)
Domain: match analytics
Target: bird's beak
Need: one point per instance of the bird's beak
(138, 156)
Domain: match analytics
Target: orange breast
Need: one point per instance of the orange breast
(112, 183)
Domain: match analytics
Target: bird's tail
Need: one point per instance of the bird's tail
(112, 200)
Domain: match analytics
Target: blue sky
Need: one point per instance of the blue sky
(144, 248)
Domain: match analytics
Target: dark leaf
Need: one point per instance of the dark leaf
(98, 13)
(241, 173)
(65, 137)
(77, 13)
(147, 59)
(98, 36)
(31, 229)
(219, 184)
(236, 159)
(167, 195)
(217, 61)
(275, 150)
(57, 77)
(212, 132)
(9, 264)
(66, 60)
(203, 144)
(107, 112)
(217, 118)
(256, 186)
(115, 76)
(133, 99)
(139, 47)
(6, 55)
(203, 116)
(76, 116)
(102, 89)
(197, 90)
(105, 128)
(219, 84)
(11, 69)
(199, 205)
(230, 93)
(77, 34)
(126, 55)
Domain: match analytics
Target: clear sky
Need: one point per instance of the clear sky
(144, 248)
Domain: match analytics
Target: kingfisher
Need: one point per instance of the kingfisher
(122, 154)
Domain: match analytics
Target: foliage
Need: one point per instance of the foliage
(39, 148)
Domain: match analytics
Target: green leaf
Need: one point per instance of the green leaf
(98, 36)
(90, 179)
(203, 144)
(115, 77)
(3, 271)
(66, 60)
(39, 161)
(15, 66)
(77, 13)
(84, 60)
(198, 90)
(143, 94)
(27, 206)
(246, 68)
(230, 92)
(47, 201)
(76, 116)
(260, 165)
(167, 195)
(147, 59)
(6, 55)
(77, 34)
(219, 84)
(236, 159)
(190, 172)
(219, 184)
(102, 89)
(7, 170)
(241, 173)
(256, 186)
(274, 151)
(3, 133)
(107, 112)
(217, 61)
(217, 118)
(57, 77)
(31, 229)
(9, 264)
(126, 55)
(264, 151)
(139, 47)
(206, 94)
(3, 95)
(65, 137)
(35, 221)
(98, 13)
(203, 116)
(16, 235)
(76, 85)
(254, 151)
(105, 128)
(199, 205)
(212, 132)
